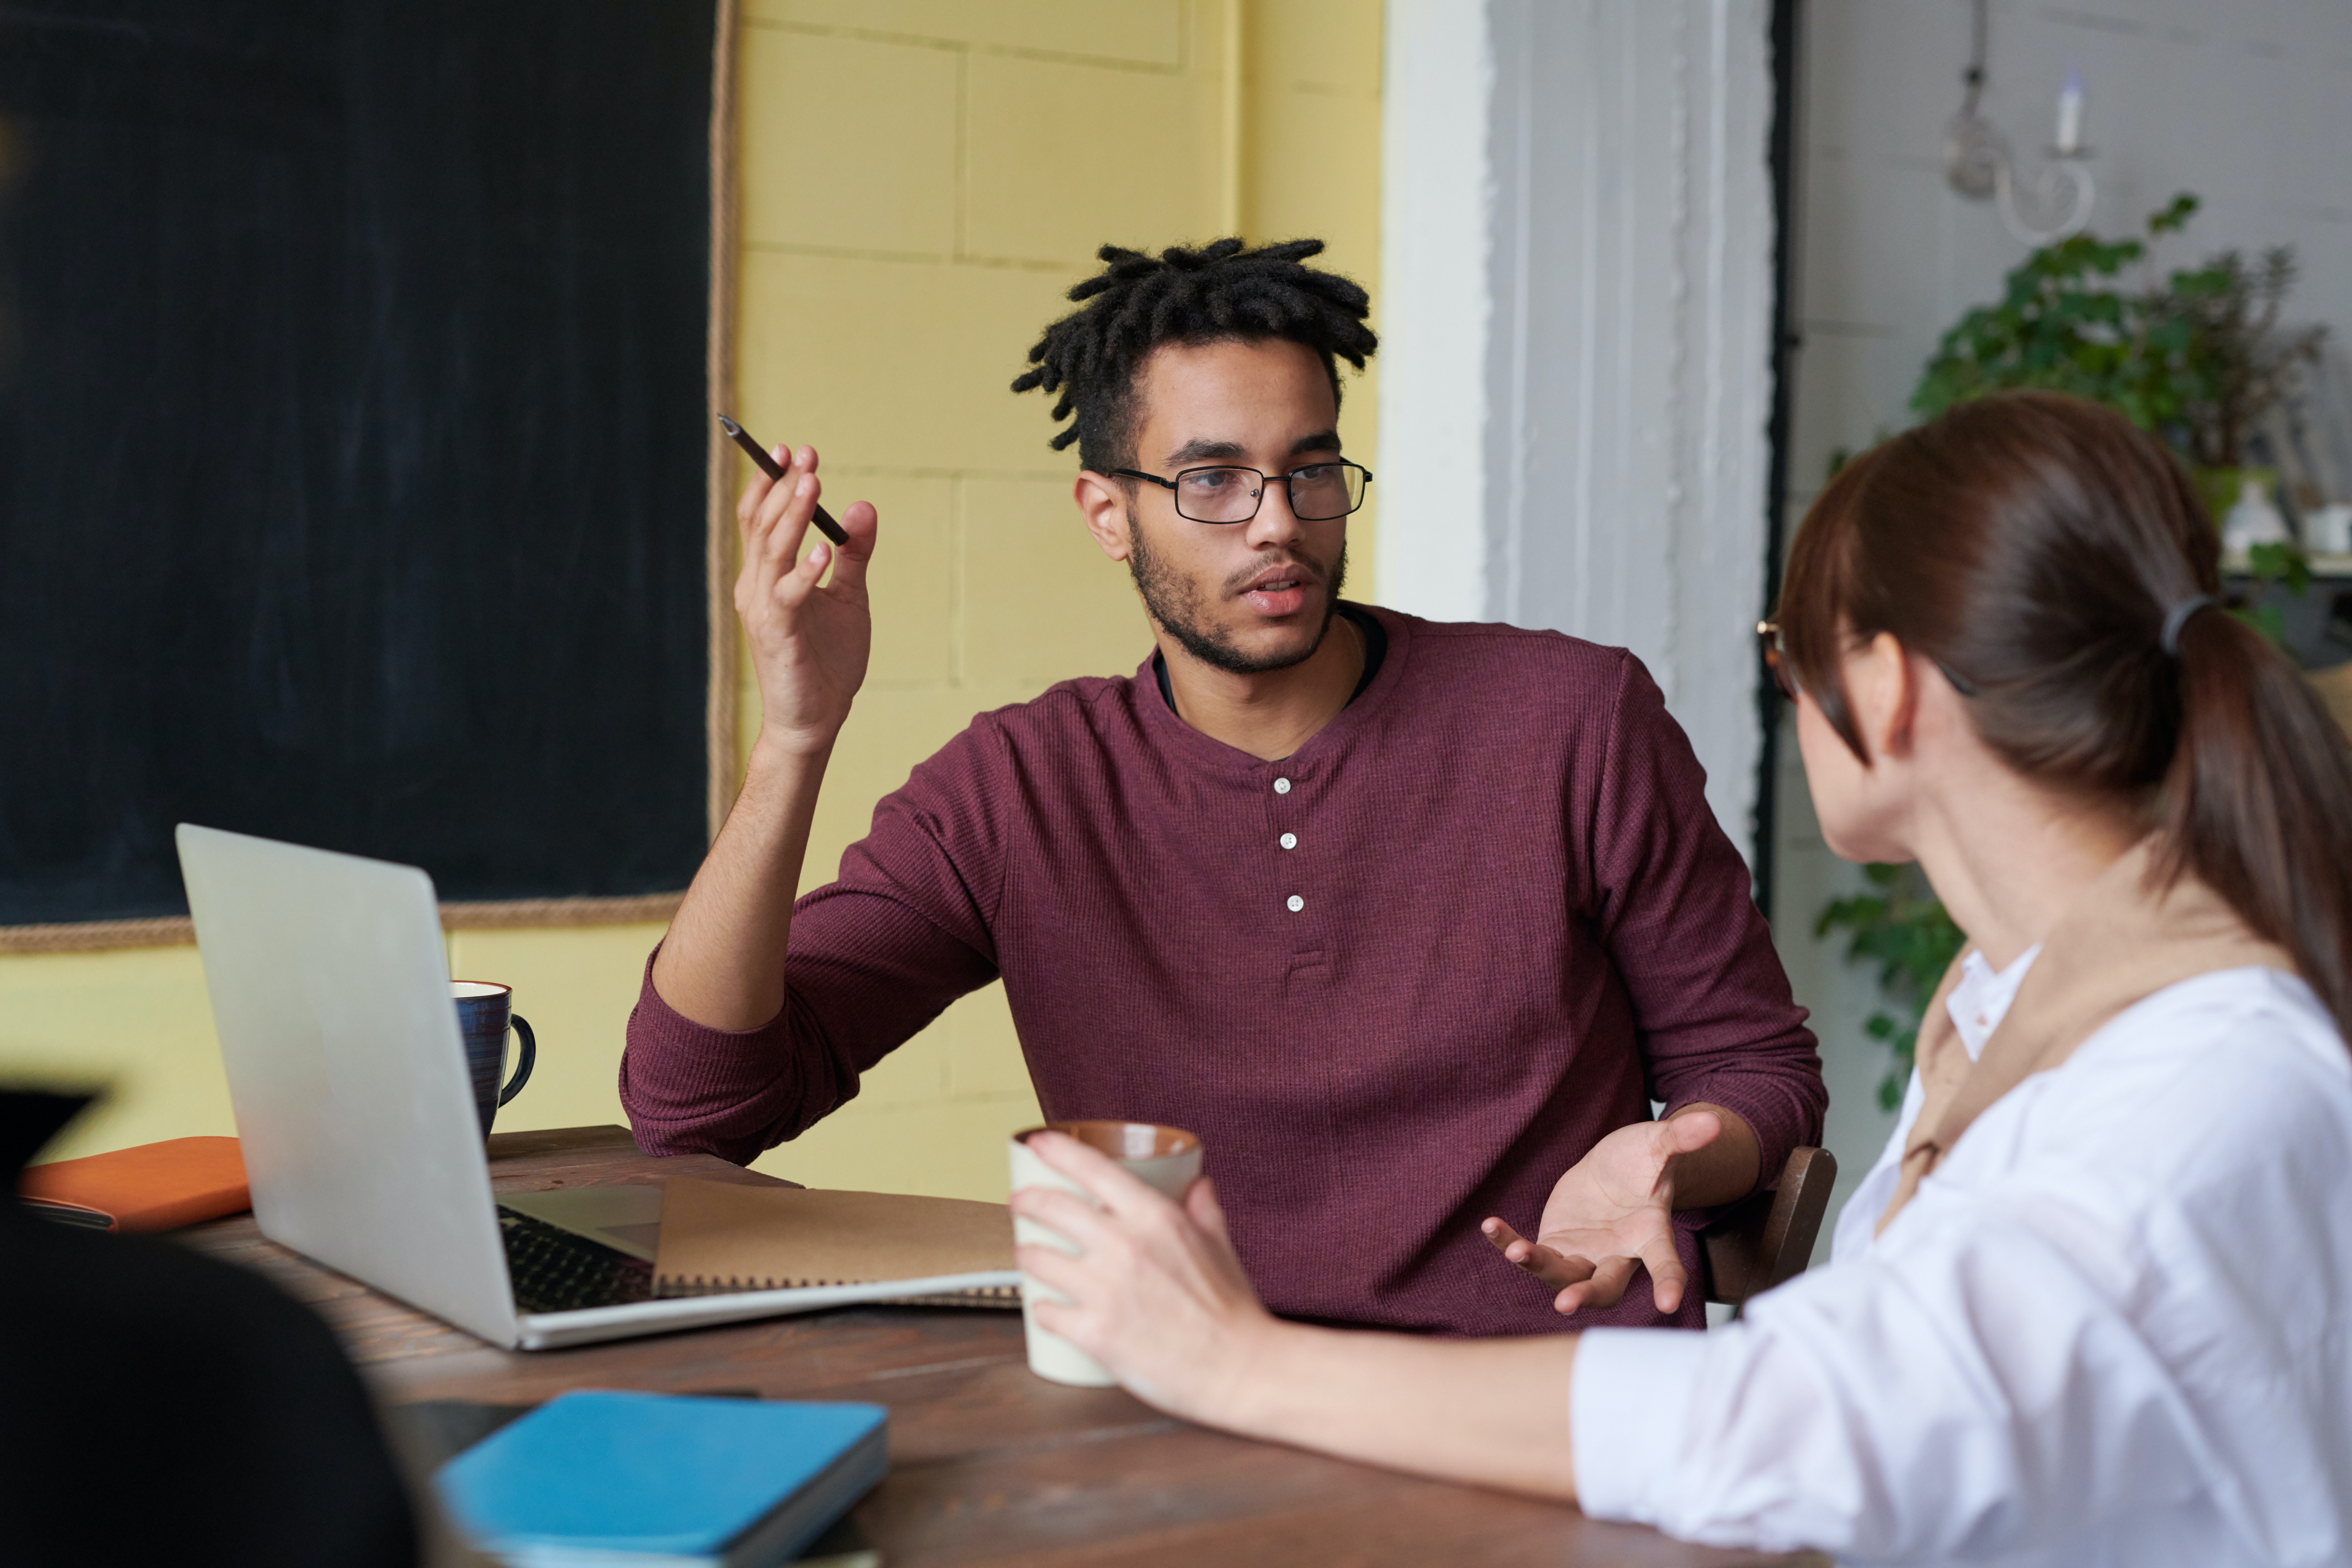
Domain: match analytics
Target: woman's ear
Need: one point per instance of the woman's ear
(1883, 693)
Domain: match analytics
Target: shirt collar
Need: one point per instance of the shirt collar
(1376, 648)
(1322, 749)
(1981, 999)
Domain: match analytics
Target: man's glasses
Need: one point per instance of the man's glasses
(1783, 669)
(1319, 492)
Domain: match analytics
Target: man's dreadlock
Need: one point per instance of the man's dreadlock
(1138, 302)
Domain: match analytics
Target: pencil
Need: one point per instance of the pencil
(768, 466)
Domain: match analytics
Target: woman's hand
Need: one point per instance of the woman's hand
(1157, 1294)
(809, 638)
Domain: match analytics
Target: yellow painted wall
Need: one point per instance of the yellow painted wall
(921, 182)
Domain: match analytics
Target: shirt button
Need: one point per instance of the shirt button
(1290, 841)
(1295, 903)
(1282, 786)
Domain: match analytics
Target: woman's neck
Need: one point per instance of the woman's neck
(2008, 858)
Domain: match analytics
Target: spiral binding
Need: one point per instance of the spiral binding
(703, 1285)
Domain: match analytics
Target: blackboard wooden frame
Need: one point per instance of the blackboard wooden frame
(718, 522)
(723, 764)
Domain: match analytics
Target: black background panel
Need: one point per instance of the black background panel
(351, 441)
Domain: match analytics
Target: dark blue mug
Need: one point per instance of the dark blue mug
(485, 1009)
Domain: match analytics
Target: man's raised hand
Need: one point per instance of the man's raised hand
(809, 637)
(722, 963)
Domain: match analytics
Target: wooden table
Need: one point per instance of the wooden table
(989, 1464)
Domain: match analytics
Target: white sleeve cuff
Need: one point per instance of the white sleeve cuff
(1629, 1412)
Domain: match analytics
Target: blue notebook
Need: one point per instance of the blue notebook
(636, 1480)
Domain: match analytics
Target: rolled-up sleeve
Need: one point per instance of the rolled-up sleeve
(1629, 1415)
(1975, 1392)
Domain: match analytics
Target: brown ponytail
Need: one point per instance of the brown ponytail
(2032, 545)
(2258, 802)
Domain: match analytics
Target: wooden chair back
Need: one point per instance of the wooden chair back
(1768, 1237)
(2334, 685)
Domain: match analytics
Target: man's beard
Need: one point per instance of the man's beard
(1175, 603)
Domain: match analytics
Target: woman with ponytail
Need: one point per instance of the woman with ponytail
(2087, 1307)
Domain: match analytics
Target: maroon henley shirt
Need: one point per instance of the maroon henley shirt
(1397, 982)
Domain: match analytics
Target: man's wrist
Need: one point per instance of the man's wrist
(788, 750)
(1725, 1170)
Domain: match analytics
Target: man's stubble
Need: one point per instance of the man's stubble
(1175, 603)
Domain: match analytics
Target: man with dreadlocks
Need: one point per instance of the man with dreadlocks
(1410, 921)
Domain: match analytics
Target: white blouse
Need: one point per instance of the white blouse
(1978, 1004)
(2113, 1327)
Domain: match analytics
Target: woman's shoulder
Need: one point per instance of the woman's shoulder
(2217, 1029)
(2209, 1120)
(2206, 1079)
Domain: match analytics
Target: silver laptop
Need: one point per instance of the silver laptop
(330, 991)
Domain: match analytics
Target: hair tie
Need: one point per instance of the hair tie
(2176, 618)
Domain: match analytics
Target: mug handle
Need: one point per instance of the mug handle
(527, 1059)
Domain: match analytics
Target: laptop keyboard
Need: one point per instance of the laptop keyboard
(553, 1271)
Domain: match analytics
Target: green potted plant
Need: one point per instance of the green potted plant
(2197, 359)
(2239, 364)
(2065, 322)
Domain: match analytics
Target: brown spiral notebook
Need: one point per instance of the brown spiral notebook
(718, 1238)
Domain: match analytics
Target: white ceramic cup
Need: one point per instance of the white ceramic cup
(1163, 1158)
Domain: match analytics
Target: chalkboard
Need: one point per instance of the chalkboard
(353, 440)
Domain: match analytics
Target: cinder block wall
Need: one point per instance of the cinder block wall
(920, 183)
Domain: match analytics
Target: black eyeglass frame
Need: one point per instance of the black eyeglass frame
(1258, 500)
(1783, 672)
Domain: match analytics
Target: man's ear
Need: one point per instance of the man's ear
(1884, 691)
(1102, 502)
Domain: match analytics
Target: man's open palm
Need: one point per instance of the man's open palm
(1614, 1211)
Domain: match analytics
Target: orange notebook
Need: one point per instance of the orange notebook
(155, 1187)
